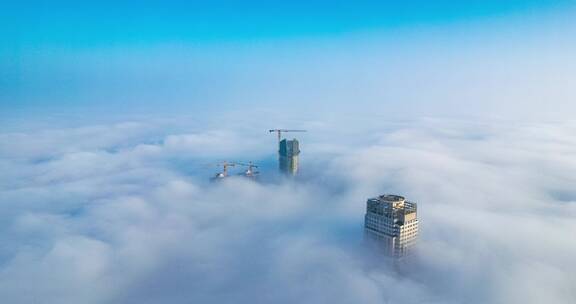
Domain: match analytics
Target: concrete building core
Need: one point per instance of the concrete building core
(288, 156)
(391, 224)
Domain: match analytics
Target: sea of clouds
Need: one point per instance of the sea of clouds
(123, 213)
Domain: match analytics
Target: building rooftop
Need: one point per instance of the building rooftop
(392, 206)
(391, 198)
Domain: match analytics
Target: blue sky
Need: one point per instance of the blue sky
(141, 56)
(70, 23)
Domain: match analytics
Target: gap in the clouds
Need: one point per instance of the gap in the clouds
(564, 196)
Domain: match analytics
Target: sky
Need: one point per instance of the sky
(115, 114)
(511, 59)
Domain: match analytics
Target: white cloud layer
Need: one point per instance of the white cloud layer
(123, 213)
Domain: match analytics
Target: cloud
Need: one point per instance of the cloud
(122, 213)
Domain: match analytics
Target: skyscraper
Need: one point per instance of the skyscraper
(391, 224)
(288, 156)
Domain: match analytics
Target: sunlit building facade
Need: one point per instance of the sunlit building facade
(391, 224)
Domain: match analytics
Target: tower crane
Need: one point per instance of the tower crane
(224, 173)
(250, 172)
(279, 132)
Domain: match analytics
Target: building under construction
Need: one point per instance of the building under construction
(288, 156)
(288, 151)
(391, 224)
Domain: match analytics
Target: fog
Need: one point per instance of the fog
(122, 212)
